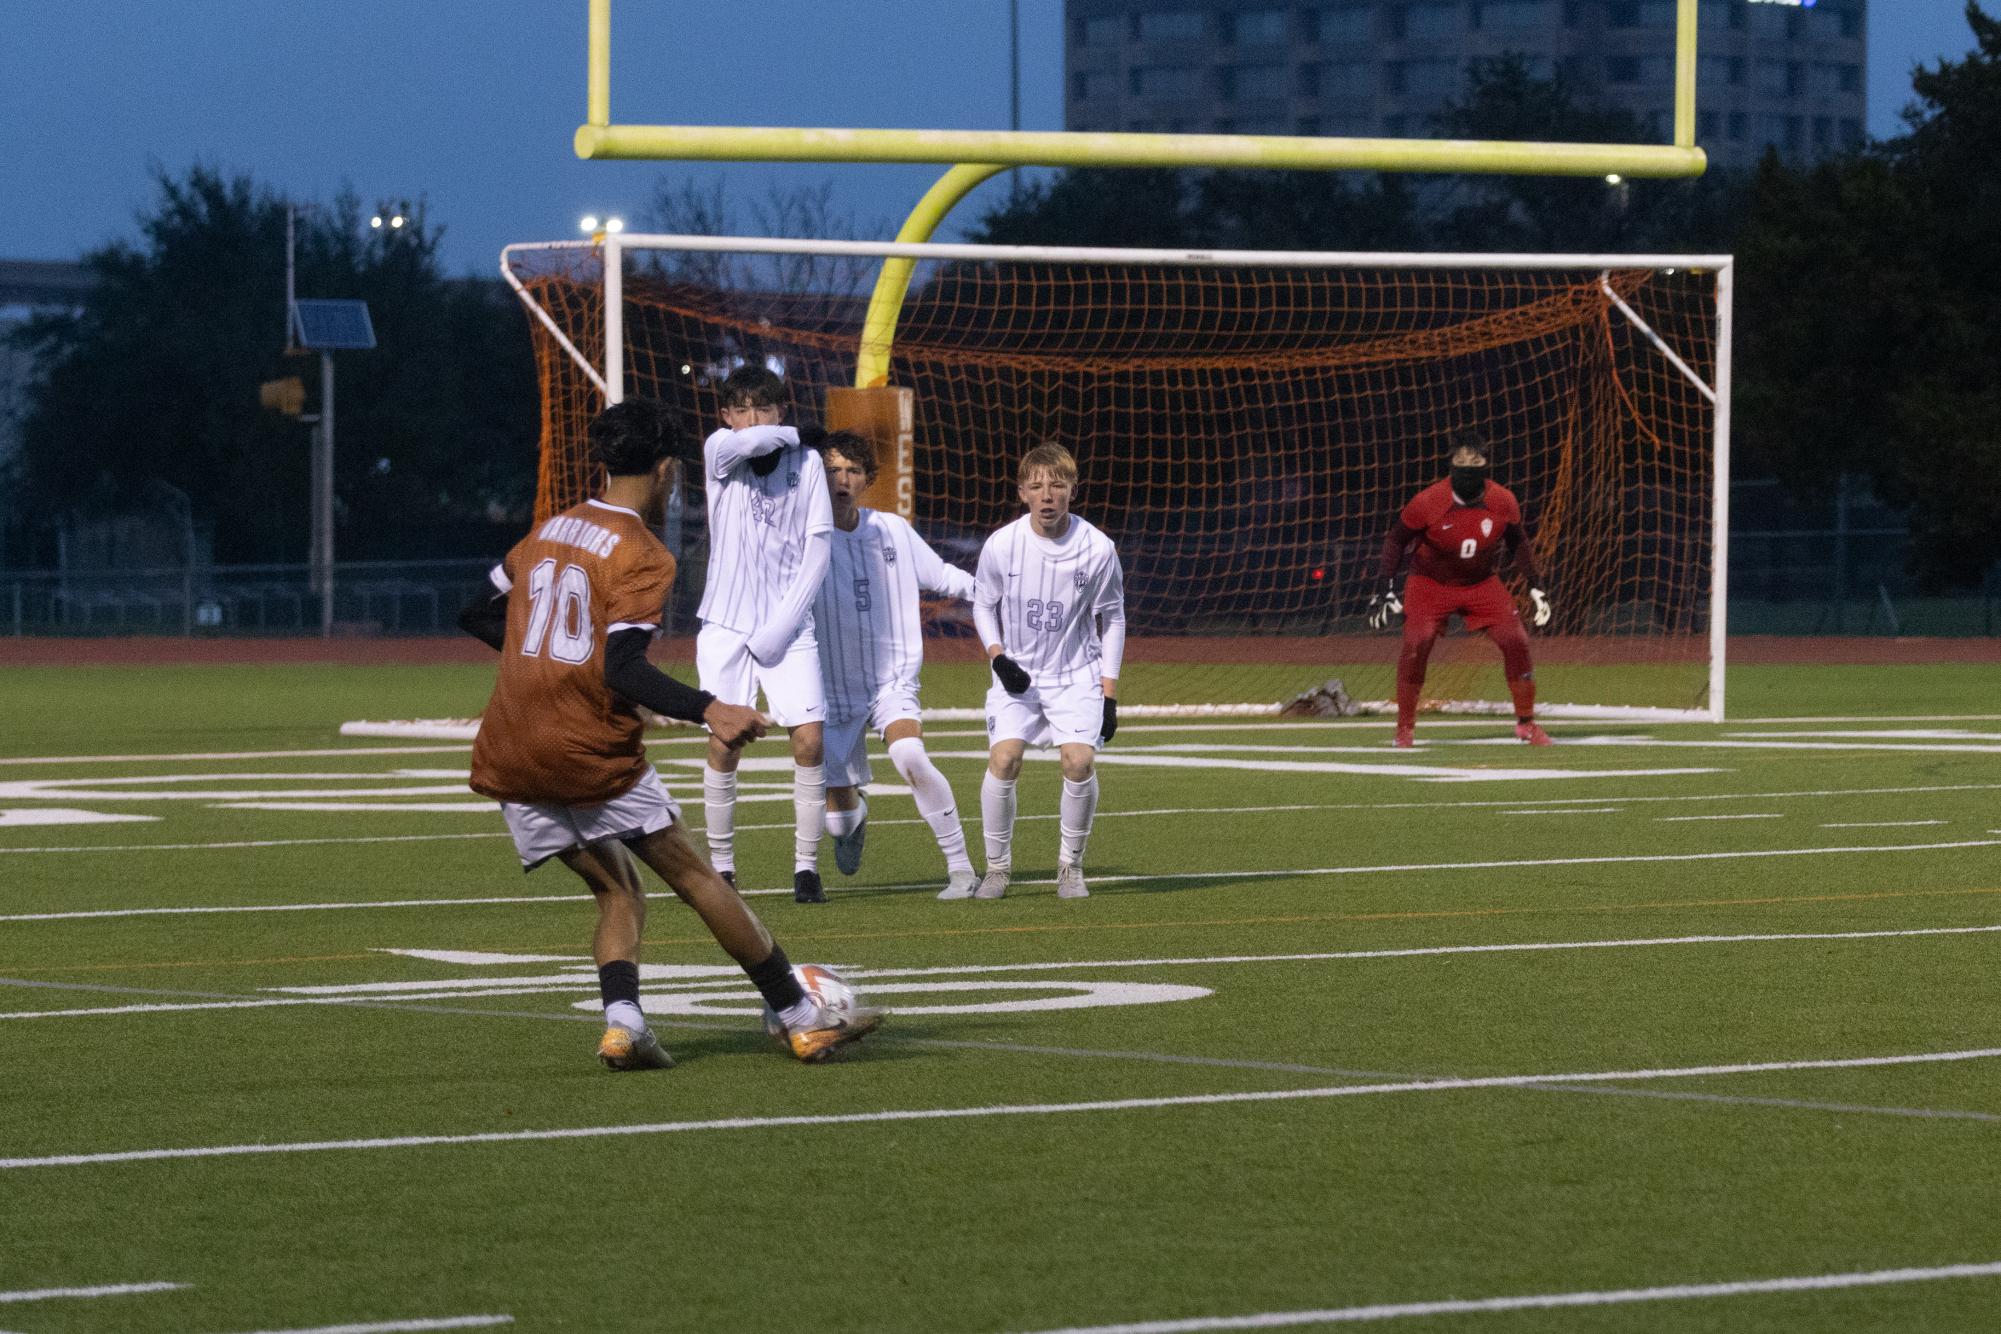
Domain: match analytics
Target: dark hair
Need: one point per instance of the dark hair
(630, 437)
(858, 449)
(755, 386)
(1468, 438)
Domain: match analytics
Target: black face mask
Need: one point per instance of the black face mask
(1469, 485)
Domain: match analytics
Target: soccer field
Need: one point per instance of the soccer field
(1681, 1028)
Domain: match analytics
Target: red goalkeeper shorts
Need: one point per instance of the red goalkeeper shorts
(1426, 604)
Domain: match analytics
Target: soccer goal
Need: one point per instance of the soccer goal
(1248, 426)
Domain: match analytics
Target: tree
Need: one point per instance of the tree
(1870, 338)
(156, 378)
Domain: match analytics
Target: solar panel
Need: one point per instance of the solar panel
(333, 326)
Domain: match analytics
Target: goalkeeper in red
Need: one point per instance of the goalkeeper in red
(1456, 531)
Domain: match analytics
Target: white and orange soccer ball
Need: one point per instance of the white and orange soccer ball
(824, 985)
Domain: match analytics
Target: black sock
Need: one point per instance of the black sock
(774, 978)
(619, 981)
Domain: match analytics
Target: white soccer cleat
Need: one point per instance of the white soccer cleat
(1070, 883)
(992, 885)
(960, 886)
(848, 846)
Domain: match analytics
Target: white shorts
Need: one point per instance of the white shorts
(543, 829)
(847, 740)
(793, 694)
(1062, 716)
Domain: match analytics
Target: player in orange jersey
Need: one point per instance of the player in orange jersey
(577, 602)
(1456, 532)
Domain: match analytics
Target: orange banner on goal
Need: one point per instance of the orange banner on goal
(887, 418)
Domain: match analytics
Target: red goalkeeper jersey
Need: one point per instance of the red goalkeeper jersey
(1459, 544)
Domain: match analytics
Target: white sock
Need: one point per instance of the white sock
(794, 1015)
(719, 817)
(844, 822)
(997, 820)
(809, 814)
(934, 799)
(626, 1015)
(1079, 806)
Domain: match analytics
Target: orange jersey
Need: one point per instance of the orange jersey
(553, 731)
(1459, 544)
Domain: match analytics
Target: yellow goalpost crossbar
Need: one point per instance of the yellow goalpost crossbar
(979, 154)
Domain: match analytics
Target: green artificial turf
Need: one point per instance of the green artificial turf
(1033, 1205)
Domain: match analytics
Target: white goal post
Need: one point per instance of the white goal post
(1259, 417)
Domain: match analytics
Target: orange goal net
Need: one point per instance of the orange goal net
(1248, 427)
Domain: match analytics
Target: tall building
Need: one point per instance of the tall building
(1783, 73)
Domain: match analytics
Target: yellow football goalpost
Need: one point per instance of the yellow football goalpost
(980, 154)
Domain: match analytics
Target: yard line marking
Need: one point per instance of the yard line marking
(1219, 874)
(500, 986)
(1542, 1301)
(103, 1290)
(403, 1326)
(895, 1115)
(1882, 824)
(408, 1006)
(1517, 803)
(1389, 767)
(342, 751)
(1681, 819)
(1571, 810)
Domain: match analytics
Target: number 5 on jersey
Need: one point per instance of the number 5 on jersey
(559, 611)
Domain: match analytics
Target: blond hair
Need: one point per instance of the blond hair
(1051, 456)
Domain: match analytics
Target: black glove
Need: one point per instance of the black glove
(1111, 723)
(1012, 677)
(812, 435)
(766, 464)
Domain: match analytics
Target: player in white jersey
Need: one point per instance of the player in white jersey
(1050, 607)
(871, 648)
(769, 520)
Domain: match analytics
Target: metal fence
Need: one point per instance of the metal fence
(369, 597)
(1801, 581)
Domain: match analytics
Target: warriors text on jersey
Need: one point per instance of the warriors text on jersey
(866, 616)
(553, 731)
(758, 526)
(1459, 544)
(1048, 595)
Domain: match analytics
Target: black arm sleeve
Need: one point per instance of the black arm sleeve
(485, 619)
(631, 676)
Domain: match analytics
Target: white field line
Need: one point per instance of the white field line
(103, 1290)
(902, 1114)
(526, 986)
(343, 752)
(1573, 810)
(1229, 726)
(1541, 1302)
(403, 1326)
(1883, 824)
(1164, 877)
(1749, 815)
(1515, 807)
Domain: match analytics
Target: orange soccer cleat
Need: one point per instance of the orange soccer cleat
(1532, 734)
(815, 1044)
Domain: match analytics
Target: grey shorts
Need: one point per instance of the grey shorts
(542, 829)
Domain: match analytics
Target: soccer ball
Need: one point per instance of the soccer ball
(824, 985)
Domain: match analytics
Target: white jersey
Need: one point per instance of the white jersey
(869, 629)
(1046, 600)
(758, 525)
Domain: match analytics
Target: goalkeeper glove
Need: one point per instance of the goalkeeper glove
(1013, 678)
(1540, 616)
(1385, 607)
(1111, 723)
